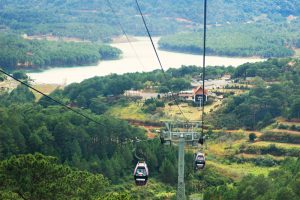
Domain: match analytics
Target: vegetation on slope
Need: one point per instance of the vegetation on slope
(238, 40)
(41, 177)
(17, 52)
(279, 184)
(264, 102)
(94, 20)
(28, 127)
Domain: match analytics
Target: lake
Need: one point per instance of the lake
(130, 63)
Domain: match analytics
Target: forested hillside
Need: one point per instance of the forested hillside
(105, 152)
(280, 184)
(93, 20)
(263, 40)
(89, 147)
(276, 93)
(19, 53)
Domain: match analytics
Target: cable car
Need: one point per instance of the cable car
(141, 173)
(199, 161)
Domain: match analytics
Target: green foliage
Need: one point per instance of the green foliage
(272, 69)
(150, 105)
(295, 108)
(74, 140)
(109, 53)
(19, 95)
(2, 77)
(221, 192)
(252, 137)
(212, 72)
(262, 160)
(94, 20)
(278, 136)
(236, 40)
(258, 107)
(280, 184)
(40, 177)
(117, 196)
(179, 84)
(79, 143)
(271, 149)
(98, 106)
(168, 172)
(17, 52)
(20, 75)
(99, 93)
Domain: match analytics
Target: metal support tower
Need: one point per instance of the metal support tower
(181, 184)
(181, 133)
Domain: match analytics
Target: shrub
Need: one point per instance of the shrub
(252, 137)
(282, 126)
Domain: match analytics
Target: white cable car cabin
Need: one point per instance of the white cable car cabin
(141, 173)
(199, 161)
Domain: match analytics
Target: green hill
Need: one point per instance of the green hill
(93, 20)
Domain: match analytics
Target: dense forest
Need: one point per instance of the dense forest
(280, 184)
(77, 144)
(252, 125)
(19, 53)
(94, 20)
(276, 93)
(59, 149)
(262, 40)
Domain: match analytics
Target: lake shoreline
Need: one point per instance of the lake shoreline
(129, 63)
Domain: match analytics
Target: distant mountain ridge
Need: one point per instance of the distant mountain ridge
(91, 19)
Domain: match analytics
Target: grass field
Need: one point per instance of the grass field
(192, 113)
(244, 132)
(249, 156)
(132, 111)
(45, 88)
(282, 120)
(280, 145)
(238, 171)
(218, 149)
(285, 131)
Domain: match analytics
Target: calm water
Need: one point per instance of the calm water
(130, 63)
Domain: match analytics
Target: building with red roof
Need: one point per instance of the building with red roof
(196, 94)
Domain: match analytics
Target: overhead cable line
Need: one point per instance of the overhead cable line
(157, 56)
(50, 98)
(204, 61)
(124, 32)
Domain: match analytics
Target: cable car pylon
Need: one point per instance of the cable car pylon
(181, 133)
(181, 184)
